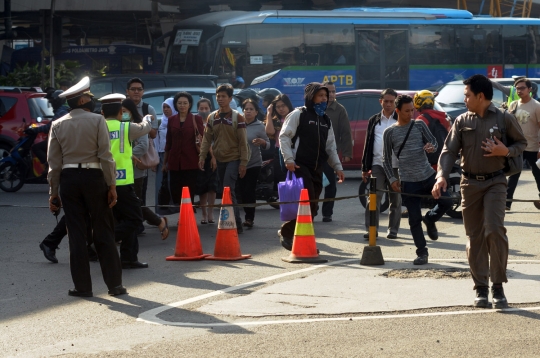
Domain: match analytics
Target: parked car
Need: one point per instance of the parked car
(156, 97)
(19, 106)
(360, 106)
(451, 98)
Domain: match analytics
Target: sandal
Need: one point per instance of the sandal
(211, 222)
(204, 222)
(165, 230)
(248, 223)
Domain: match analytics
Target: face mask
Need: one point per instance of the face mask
(204, 115)
(320, 108)
(89, 105)
(126, 117)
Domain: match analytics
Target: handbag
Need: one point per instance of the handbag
(150, 159)
(512, 165)
(198, 136)
(289, 190)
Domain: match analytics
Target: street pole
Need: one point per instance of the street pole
(53, 3)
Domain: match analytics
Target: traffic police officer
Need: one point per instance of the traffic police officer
(127, 210)
(82, 168)
(476, 134)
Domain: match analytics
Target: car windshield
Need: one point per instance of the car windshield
(451, 95)
(156, 100)
(40, 107)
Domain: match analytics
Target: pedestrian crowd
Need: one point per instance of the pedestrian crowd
(99, 165)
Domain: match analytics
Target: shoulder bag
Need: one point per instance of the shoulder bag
(150, 159)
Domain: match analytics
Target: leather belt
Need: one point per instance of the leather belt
(82, 166)
(482, 177)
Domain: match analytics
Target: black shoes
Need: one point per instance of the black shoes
(366, 235)
(118, 290)
(499, 299)
(239, 228)
(248, 223)
(50, 254)
(391, 236)
(421, 260)
(75, 293)
(327, 219)
(431, 229)
(481, 300)
(285, 242)
(134, 265)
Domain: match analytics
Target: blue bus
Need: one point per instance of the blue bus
(116, 59)
(357, 48)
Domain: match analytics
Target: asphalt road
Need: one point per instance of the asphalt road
(38, 318)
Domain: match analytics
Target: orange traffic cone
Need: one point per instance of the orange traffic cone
(188, 241)
(304, 249)
(227, 245)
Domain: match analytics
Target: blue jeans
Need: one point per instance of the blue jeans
(228, 175)
(414, 206)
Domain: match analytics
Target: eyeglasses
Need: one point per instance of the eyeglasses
(136, 89)
(521, 88)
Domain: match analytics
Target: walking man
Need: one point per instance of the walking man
(410, 140)
(82, 170)
(372, 162)
(483, 184)
(527, 112)
(342, 132)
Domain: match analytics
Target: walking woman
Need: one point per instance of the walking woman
(257, 139)
(280, 107)
(160, 140)
(140, 147)
(207, 179)
(181, 158)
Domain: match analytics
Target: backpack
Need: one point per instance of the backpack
(145, 109)
(440, 133)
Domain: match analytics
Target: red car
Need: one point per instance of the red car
(19, 106)
(361, 105)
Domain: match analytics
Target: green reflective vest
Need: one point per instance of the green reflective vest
(121, 151)
(512, 96)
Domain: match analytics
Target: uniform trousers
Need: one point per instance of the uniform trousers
(246, 191)
(313, 183)
(483, 205)
(330, 190)
(128, 215)
(84, 193)
(531, 158)
(394, 219)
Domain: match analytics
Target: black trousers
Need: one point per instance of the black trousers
(313, 183)
(531, 158)
(148, 215)
(128, 215)
(330, 191)
(245, 191)
(180, 179)
(54, 239)
(84, 193)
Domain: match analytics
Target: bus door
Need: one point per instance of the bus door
(382, 59)
(516, 57)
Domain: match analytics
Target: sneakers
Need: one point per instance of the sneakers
(285, 242)
(327, 219)
(499, 299)
(481, 300)
(431, 229)
(421, 260)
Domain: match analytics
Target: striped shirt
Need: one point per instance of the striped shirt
(413, 162)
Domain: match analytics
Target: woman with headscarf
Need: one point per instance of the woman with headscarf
(159, 142)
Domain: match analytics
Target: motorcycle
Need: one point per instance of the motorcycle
(21, 166)
(427, 203)
(265, 184)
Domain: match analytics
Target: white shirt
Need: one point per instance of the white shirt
(378, 141)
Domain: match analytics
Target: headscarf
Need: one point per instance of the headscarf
(160, 140)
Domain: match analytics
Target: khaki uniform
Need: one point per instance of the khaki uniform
(483, 201)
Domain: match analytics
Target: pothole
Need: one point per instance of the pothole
(454, 273)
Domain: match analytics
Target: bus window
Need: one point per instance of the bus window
(432, 45)
(132, 64)
(333, 44)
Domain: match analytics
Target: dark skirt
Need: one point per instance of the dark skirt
(207, 179)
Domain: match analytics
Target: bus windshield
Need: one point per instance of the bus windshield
(193, 51)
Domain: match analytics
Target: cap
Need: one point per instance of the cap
(112, 98)
(83, 87)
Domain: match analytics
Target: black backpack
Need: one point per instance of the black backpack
(440, 133)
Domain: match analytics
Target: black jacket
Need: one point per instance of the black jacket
(367, 157)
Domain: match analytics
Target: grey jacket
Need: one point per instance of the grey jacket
(256, 129)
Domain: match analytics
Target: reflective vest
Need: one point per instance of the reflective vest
(512, 96)
(121, 151)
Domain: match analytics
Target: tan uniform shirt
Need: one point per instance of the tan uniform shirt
(467, 134)
(79, 137)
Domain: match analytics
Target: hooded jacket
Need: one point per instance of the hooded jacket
(306, 138)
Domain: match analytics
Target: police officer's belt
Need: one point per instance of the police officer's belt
(482, 177)
(82, 166)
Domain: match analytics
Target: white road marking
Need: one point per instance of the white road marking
(151, 315)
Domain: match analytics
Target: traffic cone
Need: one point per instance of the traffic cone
(227, 245)
(188, 241)
(304, 249)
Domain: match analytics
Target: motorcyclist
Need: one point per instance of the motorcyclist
(268, 95)
(244, 94)
(60, 110)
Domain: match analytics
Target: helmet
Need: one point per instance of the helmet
(268, 94)
(245, 94)
(424, 100)
(55, 100)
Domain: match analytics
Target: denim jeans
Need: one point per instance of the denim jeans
(228, 176)
(414, 206)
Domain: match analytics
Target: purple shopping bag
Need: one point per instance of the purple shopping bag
(289, 190)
